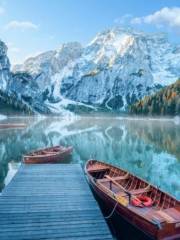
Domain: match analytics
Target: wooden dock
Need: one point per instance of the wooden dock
(50, 201)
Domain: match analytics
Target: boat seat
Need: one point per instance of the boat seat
(48, 152)
(113, 178)
(140, 190)
(173, 212)
(98, 169)
(135, 192)
(166, 216)
(149, 214)
(163, 215)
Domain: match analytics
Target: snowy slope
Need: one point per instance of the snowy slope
(120, 66)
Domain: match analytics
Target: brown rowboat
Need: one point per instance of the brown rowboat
(12, 125)
(120, 190)
(48, 155)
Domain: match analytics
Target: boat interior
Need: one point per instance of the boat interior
(47, 151)
(120, 183)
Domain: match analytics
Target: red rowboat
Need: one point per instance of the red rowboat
(146, 207)
(48, 155)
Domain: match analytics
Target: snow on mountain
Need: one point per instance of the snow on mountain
(41, 75)
(46, 68)
(118, 67)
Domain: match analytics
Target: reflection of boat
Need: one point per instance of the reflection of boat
(12, 125)
(48, 155)
(146, 207)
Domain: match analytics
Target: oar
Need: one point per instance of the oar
(117, 184)
(122, 188)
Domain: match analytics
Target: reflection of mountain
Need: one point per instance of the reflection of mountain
(162, 134)
(115, 142)
(139, 147)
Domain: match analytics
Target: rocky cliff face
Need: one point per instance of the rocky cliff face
(5, 74)
(44, 77)
(11, 89)
(113, 71)
(47, 67)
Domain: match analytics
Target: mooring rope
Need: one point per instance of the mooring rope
(112, 212)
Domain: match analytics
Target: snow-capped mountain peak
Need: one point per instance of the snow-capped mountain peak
(118, 67)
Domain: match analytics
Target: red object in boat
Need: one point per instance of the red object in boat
(142, 201)
(48, 155)
(116, 188)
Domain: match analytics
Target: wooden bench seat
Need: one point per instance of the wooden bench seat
(113, 178)
(98, 169)
(173, 213)
(165, 216)
(140, 191)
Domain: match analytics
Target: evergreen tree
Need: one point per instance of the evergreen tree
(164, 102)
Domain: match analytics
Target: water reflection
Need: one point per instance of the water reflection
(149, 149)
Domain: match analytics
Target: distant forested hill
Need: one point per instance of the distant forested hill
(164, 102)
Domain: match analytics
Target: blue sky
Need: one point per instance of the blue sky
(30, 27)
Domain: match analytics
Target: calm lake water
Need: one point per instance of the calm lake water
(147, 148)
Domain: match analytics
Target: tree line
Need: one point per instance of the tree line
(164, 102)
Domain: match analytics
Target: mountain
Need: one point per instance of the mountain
(9, 99)
(120, 66)
(117, 68)
(164, 102)
(5, 74)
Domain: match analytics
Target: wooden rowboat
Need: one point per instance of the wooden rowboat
(12, 125)
(121, 190)
(48, 155)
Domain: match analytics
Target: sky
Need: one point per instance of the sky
(29, 27)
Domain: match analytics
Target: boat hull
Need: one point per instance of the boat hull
(120, 226)
(148, 230)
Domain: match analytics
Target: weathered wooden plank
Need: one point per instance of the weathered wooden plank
(56, 224)
(50, 202)
(14, 222)
(62, 230)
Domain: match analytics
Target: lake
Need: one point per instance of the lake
(149, 148)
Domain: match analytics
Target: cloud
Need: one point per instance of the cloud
(22, 25)
(2, 11)
(123, 19)
(165, 17)
(12, 48)
(136, 20)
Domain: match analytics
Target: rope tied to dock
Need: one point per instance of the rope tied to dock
(112, 212)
